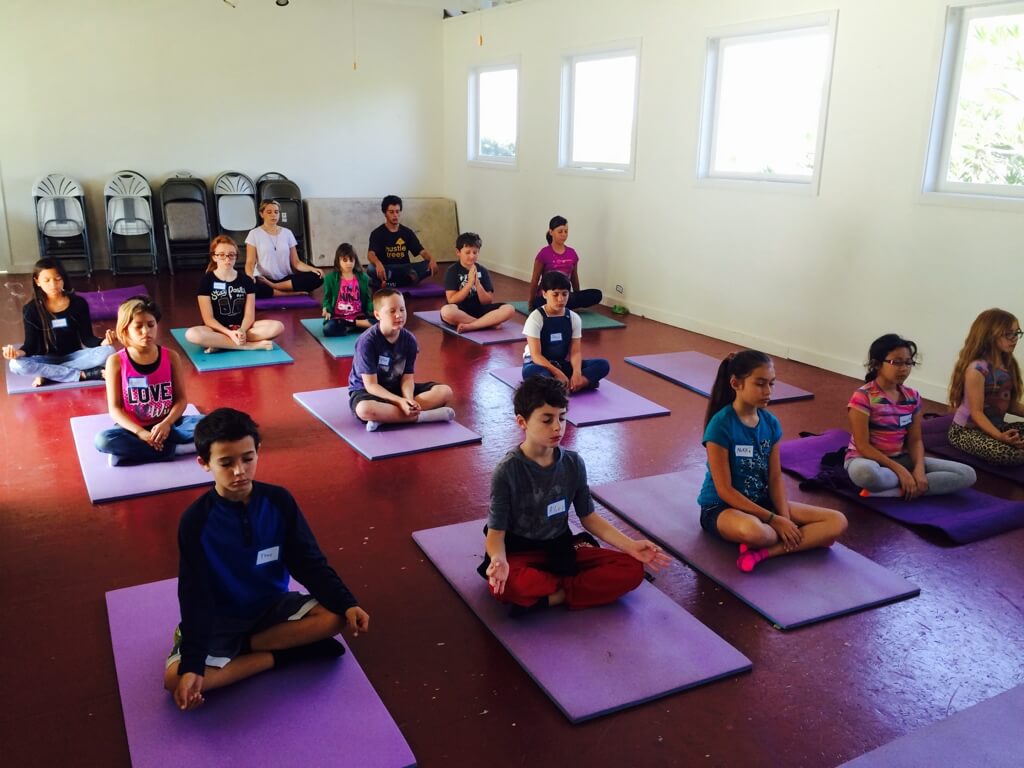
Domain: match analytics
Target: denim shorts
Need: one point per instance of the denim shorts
(709, 516)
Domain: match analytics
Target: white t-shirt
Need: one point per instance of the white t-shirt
(273, 252)
(535, 322)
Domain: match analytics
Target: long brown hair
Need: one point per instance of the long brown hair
(737, 365)
(39, 298)
(980, 344)
(220, 240)
(346, 249)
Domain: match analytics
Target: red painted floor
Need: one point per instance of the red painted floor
(817, 696)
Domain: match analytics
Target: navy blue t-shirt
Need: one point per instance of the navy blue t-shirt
(376, 355)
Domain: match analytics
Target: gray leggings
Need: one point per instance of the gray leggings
(943, 476)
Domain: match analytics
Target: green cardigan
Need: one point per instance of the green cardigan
(331, 282)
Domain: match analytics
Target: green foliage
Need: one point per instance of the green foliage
(988, 134)
(491, 148)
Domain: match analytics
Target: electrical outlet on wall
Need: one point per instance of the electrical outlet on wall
(619, 289)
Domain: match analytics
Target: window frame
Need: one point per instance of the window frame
(712, 97)
(473, 156)
(935, 186)
(567, 101)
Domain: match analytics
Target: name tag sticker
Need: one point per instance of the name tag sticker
(384, 361)
(906, 419)
(220, 286)
(556, 508)
(59, 322)
(556, 337)
(136, 382)
(745, 451)
(267, 555)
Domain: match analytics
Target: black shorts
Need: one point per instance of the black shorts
(478, 310)
(356, 396)
(228, 634)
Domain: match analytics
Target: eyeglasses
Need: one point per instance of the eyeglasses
(225, 255)
(1013, 335)
(901, 363)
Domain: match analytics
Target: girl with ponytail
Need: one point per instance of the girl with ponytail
(743, 499)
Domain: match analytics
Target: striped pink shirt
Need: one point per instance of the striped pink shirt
(888, 422)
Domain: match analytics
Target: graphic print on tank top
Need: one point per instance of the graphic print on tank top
(348, 306)
(146, 390)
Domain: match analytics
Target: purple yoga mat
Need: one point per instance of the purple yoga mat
(331, 407)
(591, 662)
(789, 591)
(603, 405)
(313, 714)
(983, 736)
(22, 385)
(510, 330)
(299, 301)
(696, 372)
(106, 483)
(422, 290)
(933, 433)
(964, 516)
(103, 304)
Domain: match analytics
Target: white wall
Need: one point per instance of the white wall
(815, 278)
(89, 87)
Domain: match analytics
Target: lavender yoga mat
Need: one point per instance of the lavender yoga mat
(21, 385)
(789, 591)
(336, 346)
(983, 736)
(964, 516)
(103, 304)
(933, 433)
(510, 330)
(229, 359)
(298, 301)
(316, 713)
(422, 290)
(696, 372)
(591, 662)
(603, 405)
(331, 407)
(106, 483)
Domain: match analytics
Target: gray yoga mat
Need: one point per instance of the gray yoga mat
(789, 591)
(595, 661)
(331, 407)
(986, 735)
(696, 372)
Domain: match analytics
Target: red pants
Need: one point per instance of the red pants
(604, 576)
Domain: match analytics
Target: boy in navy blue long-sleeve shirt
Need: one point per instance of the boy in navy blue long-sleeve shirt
(239, 543)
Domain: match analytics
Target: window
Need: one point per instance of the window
(599, 98)
(977, 137)
(765, 100)
(494, 114)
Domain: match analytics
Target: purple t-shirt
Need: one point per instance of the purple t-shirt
(375, 354)
(558, 262)
(998, 388)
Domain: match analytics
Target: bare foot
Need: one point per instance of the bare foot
(557, 597)
(210, 350)
(258, 345)
(462, 328)
(38, 381)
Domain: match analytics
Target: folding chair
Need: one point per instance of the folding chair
(277, 187)
(186, 215)
(61, 223)
(234, 196)
(130, 234)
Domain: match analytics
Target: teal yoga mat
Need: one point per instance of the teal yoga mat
(229, 359)
(336, 346)
(592, 321)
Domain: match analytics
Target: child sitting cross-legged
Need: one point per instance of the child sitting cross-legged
(533, 560)
(239, 543)
(381, 388)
